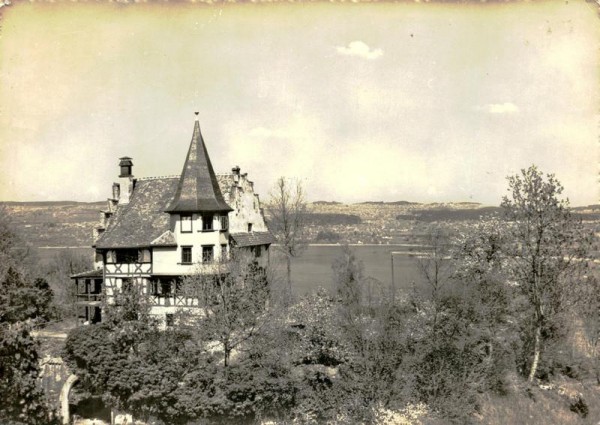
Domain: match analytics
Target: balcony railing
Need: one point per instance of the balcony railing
(89, 297)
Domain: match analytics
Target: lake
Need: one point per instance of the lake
(313, 268)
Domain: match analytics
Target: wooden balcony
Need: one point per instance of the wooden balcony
(128, 268)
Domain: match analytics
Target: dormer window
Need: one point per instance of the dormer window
(186, 223)
(207, 223)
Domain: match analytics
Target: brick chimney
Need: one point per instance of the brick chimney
(236, 174)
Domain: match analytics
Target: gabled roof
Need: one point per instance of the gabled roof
(143, 222)
(252, 239)
(198, 189)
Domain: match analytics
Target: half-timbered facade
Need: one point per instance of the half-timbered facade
(156, 230)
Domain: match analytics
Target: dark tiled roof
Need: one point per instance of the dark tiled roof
(166, 239)
(252, 239)
(143, 222)
(89, 273)
(198, 189)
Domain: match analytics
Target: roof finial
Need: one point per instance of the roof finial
(196, 115)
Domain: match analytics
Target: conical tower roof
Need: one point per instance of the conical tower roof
(198, 189)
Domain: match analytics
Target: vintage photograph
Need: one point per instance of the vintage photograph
(299, 212)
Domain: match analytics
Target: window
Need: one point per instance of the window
(207, 253)
(257, 251)
(127, 255)
(249, 227)
(207, 223)
(223, 252)
(186, 255)
(224, 222)
(97, 286)
(169, 319)
(125, 170)
(165, 287)
(186, 223)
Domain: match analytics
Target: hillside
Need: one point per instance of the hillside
(70, 224)
(53, 224)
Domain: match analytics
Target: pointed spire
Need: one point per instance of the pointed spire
(198, 189)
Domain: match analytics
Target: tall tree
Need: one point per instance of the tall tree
(23, 302)
(233, 301)
(548, 249)
(287, 210)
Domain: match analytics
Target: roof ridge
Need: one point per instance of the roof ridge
(174, 176)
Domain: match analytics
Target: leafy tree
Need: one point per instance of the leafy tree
(548, 250)
(174, 374)
(22, 400)
(480, 261)
(58, 273)
(287, 212)
(23, 302)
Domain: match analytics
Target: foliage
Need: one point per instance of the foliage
(22, 300)
(58, 273)
(547, 254)
(22, 400)
(232, 300)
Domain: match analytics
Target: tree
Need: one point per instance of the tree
(287, 211)
(23, 302)
(22, 400)
(232, 301)
(175, 374)
(548, 250)
(58, 273)
(348, 278)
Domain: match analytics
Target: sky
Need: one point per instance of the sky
(361, 102)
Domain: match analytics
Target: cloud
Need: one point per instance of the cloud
(499, 108)
(360, 49)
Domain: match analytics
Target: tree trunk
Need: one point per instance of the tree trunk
(288, 261)
(536, 353)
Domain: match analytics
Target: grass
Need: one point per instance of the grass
(545, 405)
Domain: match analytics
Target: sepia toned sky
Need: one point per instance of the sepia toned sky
(390, 101)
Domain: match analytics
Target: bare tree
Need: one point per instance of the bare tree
(232, 299)
(287, 211)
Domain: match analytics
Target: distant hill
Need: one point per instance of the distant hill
(60, 223)
(449, 214)
(388, 203)
(326, 203)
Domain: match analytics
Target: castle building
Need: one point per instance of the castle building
(157, 230)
